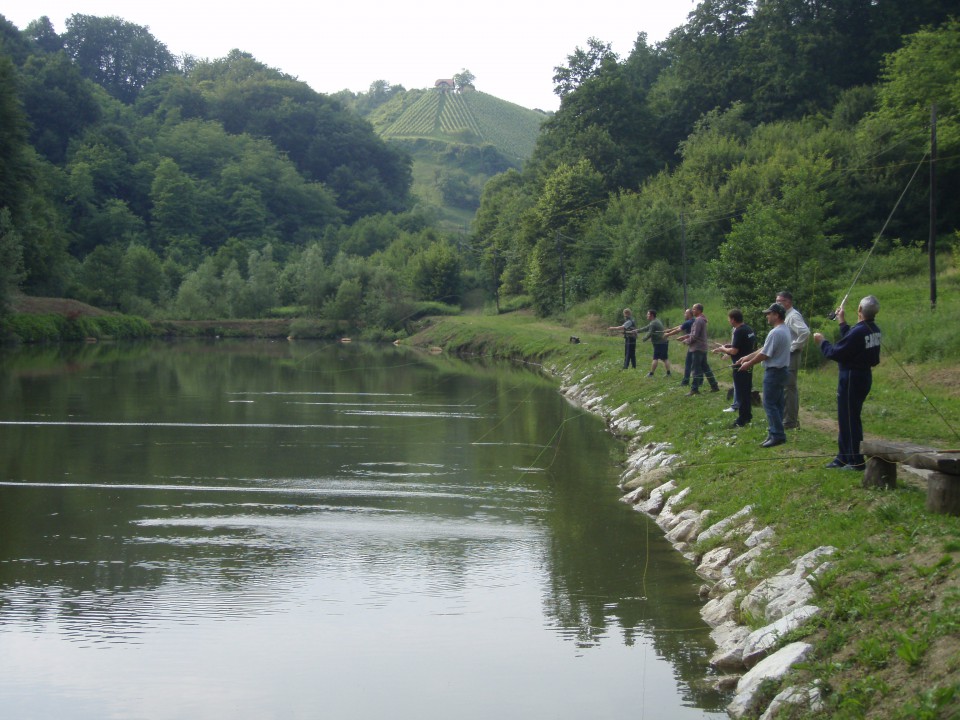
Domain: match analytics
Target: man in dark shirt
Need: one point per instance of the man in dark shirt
(742, 343)
(856, 352)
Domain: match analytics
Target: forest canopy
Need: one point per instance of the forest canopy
(762, 145)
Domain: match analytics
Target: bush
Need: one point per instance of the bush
(56, 328)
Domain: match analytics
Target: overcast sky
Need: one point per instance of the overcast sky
(511, 47)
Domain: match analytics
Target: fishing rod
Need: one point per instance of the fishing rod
(833, 314)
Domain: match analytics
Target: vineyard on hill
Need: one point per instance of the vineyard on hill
(470, 117)
(457, 141)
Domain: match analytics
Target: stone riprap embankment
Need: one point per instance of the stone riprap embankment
(750, 615)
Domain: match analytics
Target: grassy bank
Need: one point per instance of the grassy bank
(888, 641)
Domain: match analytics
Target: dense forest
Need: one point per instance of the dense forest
(763, 144)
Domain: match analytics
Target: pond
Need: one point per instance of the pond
(263, 529)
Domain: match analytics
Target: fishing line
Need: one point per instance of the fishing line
(920, 390)
(879, 235)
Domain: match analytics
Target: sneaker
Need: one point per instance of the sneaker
(684, 383)
(835, 464)
(692, 392)
(649, 374)
(715, 388)
(738, 424)
(730, 409)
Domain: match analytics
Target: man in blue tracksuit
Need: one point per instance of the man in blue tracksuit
(856, 352)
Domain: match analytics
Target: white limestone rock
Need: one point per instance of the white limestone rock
(718, 529)
(722, 609)
(808, 697)
(730, 638)
(636, 495)
(760, 538)
(713, 562)
(789, 589)
(760, 642)
(658, 498)
(744, 559)
(774, 668)
(686, 530)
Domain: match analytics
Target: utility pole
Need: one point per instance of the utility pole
(563, 274)
(683, 258)
(932, 244)
(496, 280)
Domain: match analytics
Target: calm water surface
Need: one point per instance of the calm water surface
(296, 530)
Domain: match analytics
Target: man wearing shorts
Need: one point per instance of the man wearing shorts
(661, 346)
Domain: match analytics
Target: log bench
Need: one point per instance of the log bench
(943, 471)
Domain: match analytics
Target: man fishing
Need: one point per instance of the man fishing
(856, 352)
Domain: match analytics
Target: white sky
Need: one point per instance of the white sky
(511, 47)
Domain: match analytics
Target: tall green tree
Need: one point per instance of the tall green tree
(120, 56)
(11, 260)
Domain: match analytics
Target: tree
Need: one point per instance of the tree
(11, 260)
(464, 79)
(120, 56)
(435, 273)
(14, 168)
(41, 31)
(59, 103)
(781, 244)
(582, 65)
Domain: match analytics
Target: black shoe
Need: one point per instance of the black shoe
(668, 373)
(684, 383)
(650, 374)
(692, 392)
(772, 442)
(738, 424)
(835, 464)
(715, 388)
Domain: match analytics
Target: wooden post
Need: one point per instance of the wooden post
(880, 474)
(943, 493)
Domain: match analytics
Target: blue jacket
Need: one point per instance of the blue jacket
(857, 349)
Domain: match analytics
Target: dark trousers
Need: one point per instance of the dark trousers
(629, 352)
(687, 369)
(853, 386)
(701, 369)
(742, 389)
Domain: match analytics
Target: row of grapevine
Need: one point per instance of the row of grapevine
(511, 128)
(455, 115)
(419, 120)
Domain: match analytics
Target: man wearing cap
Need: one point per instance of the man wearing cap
(775, 356)
(800, 333)
(857, 351)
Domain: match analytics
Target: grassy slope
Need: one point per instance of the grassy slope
(888, 644)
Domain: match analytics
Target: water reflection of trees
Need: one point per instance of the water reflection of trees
(111, 553)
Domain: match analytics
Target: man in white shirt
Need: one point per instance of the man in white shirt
(799, 333)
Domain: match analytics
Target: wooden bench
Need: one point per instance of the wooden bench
(943, 471)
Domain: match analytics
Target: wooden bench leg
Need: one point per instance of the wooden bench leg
(880, 474)
(943, 493)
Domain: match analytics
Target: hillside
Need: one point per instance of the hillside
(457, 141)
